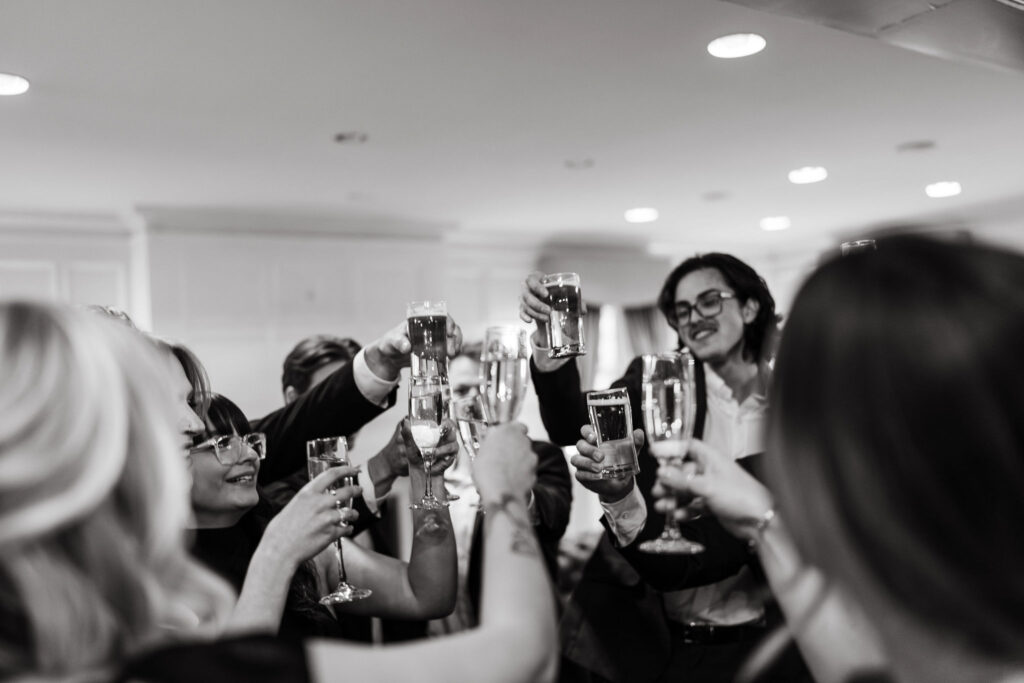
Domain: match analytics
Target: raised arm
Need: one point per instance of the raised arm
(425, 586)
(516, 640)
(301, 530)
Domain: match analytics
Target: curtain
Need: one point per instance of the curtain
(647, 330)
(588, 364)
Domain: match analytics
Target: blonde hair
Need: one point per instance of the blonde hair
(93, 499)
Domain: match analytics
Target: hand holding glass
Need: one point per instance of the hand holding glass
(321, 455)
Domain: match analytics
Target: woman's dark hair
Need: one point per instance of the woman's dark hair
(758, 336)
(311, 354)
(223, 418)
(897, 424)
(199, 398)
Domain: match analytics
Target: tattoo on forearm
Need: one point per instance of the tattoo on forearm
(523, 540)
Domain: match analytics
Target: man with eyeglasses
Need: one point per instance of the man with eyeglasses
(644, 617)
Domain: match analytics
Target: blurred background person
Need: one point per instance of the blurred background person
(549, 503)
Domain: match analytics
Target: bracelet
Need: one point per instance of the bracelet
(762, 525)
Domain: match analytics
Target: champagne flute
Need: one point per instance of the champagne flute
(505, 370)
(321, 455)
(427, 425)
(669, 410)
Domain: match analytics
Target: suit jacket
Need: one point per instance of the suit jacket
(615, 623)
(552, 500)
(335, 407)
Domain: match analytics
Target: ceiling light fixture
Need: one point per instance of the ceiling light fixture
(946, 188)
(579, 164)
(807, 175)
(352, 137)
(641, 214)
(773, 223)
(737, 45)
(11, 84)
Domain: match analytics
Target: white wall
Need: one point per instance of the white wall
(77, 259)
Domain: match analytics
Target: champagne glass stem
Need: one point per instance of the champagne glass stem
(671, 530)
(428, 464)
(341, 556)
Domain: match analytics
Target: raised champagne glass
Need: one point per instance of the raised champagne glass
(505, 371)
(427, 323)
(321, 455)
(612, 419)
(565, 322)
(427, 409)
(670, 411)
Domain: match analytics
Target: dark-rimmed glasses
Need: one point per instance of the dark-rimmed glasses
(231, 449)
(708, 304)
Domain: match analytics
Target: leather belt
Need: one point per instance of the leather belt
(711, 634)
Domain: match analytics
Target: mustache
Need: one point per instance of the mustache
(702, 325)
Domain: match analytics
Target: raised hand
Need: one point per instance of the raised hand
(390, 353)
(506, 464)
(737, 499)
(311, 521)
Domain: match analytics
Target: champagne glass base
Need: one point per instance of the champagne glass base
(345, 592)
(429, 504)
(568, 351)
(617, 472)
(671, 546)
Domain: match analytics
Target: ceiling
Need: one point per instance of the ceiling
(472, 108)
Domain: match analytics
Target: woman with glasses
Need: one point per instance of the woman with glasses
(273, 557)
(95, 581)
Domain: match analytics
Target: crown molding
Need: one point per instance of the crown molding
(77, 223)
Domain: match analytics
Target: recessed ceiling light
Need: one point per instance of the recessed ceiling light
(352, 137)
(807, 175)
(915, 146)
(772, 223)
(737, 45)
(579, 164)
(10, 84)
(641, 215)
(947, 188)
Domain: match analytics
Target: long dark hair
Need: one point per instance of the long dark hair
(758, 336)
(224, 417)
(897, 421)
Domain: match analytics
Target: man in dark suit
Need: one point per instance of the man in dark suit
(641, 617)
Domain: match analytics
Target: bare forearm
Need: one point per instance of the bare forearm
(833, 635)
(262, 598)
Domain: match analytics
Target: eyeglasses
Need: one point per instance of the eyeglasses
(708, 304)
(232, 449)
